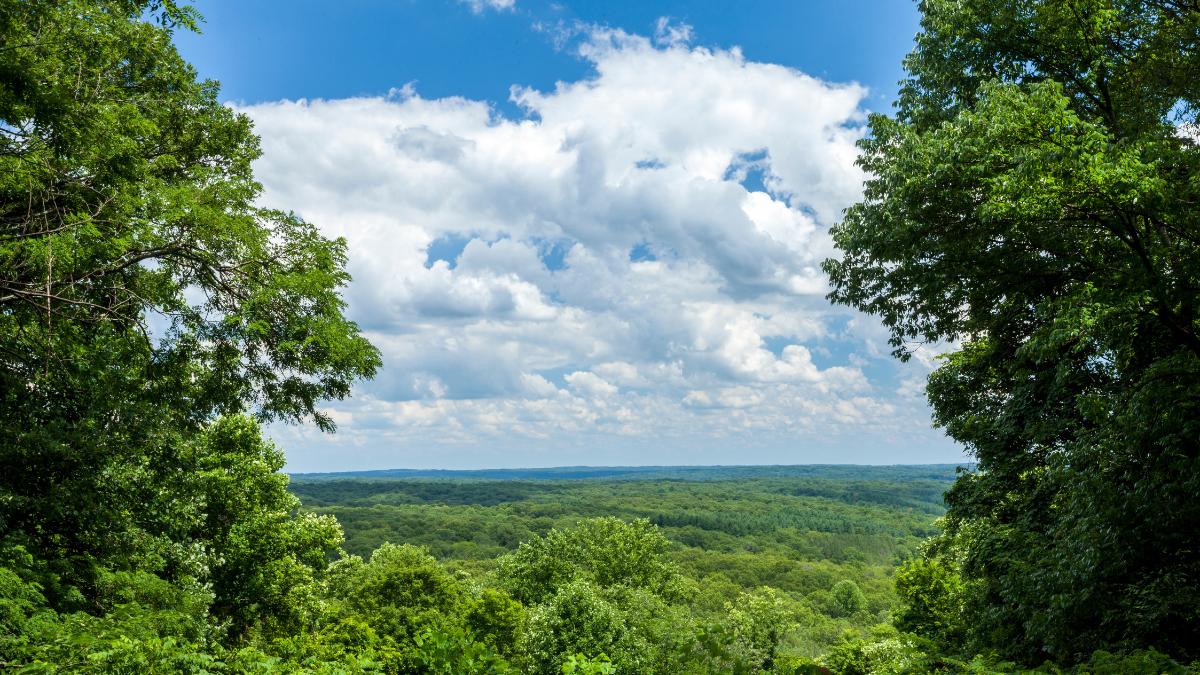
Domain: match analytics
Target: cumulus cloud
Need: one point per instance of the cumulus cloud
(638, 256)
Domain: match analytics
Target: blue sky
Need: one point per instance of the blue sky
(584, 232)
(268, 50)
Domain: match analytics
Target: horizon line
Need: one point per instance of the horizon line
(632, 466)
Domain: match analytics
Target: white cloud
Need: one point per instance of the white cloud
(638, 258)
(668, 34)
(479, 6)
(590, 385)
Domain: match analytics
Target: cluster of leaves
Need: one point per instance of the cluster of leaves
(253, 568)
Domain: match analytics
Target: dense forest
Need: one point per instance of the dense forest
(820, 543)
(1032, 206)
(819, 512)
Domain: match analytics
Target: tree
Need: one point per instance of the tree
(143, 292)
(930, 595)
(262, 558)
(1036, 202)
(578, 620)
(496, 619)
(848, 598)
(760, 621)
(400, 590)
(606, 551)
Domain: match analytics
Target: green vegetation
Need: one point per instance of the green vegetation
(667, 570)
(1034, 201)
(884, 516)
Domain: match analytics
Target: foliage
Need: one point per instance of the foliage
(710, 596)
(847, 598)
(931, 594)
(399, 591)
(1034, 202)
(146, 302)
(454, 651)
(759, 621)
(605, 551)
(578, 664)
(142, 291)
(576, 619)
(1138, 662)
(496, 619)
(263, 560)
(877, 657)
(813, 512)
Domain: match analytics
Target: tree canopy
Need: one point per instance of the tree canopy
(1035, 204)
(143, 291)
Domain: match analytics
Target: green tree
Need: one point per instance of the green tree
(400, 590)
(496, 619)
(847, 598)
(578, 664)
(263, 559)
(577, 620)
(760, 620)
(1035, 200)
(605, 551)
(930, 593)
(143, 292)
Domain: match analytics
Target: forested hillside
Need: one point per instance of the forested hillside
(1031, 210)
(825, 513)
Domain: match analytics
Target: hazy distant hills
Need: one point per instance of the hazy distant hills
(940, 472)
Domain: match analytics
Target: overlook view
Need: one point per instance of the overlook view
(564, 337)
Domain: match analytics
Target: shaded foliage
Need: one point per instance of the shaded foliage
(1035, 199)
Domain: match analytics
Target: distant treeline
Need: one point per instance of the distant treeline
(831, 471)
(723, 508)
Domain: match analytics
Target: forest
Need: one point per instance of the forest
(816, 546)
(1032, 204)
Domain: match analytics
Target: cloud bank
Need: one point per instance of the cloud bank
(632, 270)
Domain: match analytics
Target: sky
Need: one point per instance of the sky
(584, 233)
